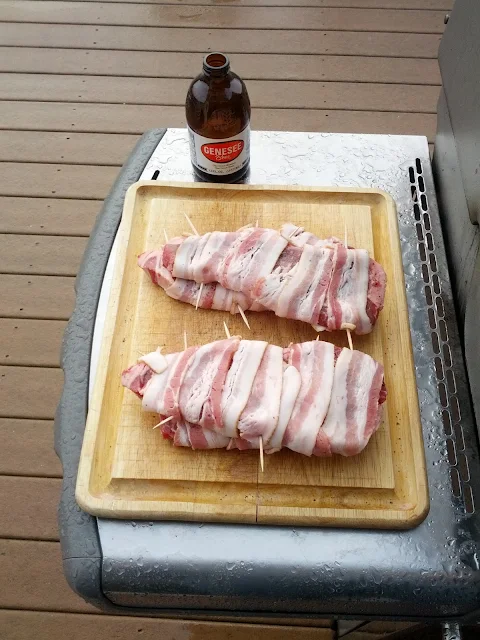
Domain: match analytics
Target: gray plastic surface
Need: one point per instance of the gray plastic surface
(81, 551)
(459, 60)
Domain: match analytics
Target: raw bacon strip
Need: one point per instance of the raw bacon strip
(201, 391)
(206, 265)
(303, 295)
(291, 383)
(253, 257)
(260, 416)
(346, 301)
(239, 381)
(187, 255)
(184, 434)
(243, 445)
(213, 296)
(180, 435)
(162, 395)
(201, 438)
(315, 363)
(152, 263)
(137, 377)
(354, 412)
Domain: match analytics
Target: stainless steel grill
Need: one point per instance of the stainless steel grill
(444, 365)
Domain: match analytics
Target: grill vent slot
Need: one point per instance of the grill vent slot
(446, 382)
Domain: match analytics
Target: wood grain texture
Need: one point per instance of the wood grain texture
(34, 116)
(47, 216)
(35, 578)
(48, 625)
(41, 255)
(343, 19)
(122, 456)
(268, 94)
(66, 148)
(27, 448)
(44, 388)
(29, 508)
(30, 343)
(348, 43)
(41, 297)
(86, 62)
(62, 181)
(425, 5)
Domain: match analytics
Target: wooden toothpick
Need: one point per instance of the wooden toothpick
(192, 226)
(349, 335)
(185, 345)
(244, 317)
(165, 234)
(260, 442)
(199, 295)
(163, 422)
(226, 330)
(349, 338)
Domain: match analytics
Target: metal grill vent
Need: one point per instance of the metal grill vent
(447, 388)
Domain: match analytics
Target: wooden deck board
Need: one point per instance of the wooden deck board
(29, 508)
(40, 297)
(66, 148)
(79, 82)
(270, 94)
(35, 578)
(347, 43)
(125, 118)
(425, 5)
(153, 64)
(47, 216)
(41, 255)
(30, 343)
(44, 387)
(77, 627)
(89, 182)
(27, 449)
(214, 17)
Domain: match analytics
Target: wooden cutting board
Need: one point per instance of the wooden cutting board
(127, 470)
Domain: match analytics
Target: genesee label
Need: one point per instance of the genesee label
(220, 157)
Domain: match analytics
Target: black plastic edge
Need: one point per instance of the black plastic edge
(81, 550)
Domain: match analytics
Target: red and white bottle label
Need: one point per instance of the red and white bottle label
(220, 157)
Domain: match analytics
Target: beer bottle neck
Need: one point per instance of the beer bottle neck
(216, 65)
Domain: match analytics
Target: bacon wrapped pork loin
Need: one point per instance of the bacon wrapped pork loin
(313, 398)
(290, 272)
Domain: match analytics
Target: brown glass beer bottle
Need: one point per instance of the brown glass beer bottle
(218, 119)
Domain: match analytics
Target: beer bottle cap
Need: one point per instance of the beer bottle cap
(216, 64)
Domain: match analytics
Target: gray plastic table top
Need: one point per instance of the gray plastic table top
(429, 572)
